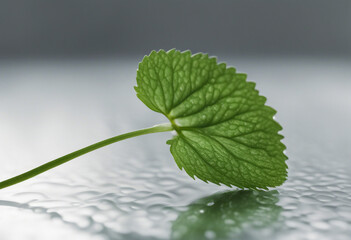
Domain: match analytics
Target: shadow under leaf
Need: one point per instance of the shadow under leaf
(230, 215)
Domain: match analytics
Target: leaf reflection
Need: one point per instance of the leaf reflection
(230, 215)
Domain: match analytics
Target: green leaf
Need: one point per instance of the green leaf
(225, 132)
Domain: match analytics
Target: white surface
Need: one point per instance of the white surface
(133, 189)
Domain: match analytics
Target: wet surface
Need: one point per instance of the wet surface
(134, 190)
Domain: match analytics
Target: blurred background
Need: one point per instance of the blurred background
(67, 71)
(88, 28)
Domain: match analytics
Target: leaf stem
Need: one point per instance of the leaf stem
(54, 163)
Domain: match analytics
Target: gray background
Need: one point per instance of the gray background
(67, 71)
(234, 27)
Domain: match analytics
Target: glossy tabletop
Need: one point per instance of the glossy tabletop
(134, 189)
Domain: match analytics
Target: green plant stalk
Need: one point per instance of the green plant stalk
(54, 163)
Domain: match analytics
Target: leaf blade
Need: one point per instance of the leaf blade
(226, 133)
